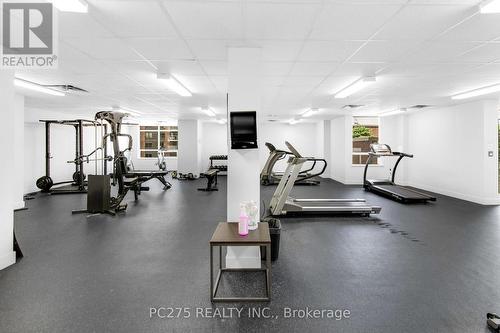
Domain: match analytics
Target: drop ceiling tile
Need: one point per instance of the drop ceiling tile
(328, 51)
(209, 49)
(75, 25)
(155, 49)
(334, 84)
(477, 28)
(184, 68)
(486, 53)
(301, 83)
(104, 48)
(427, 70)
(322, 69)
(132, 18)
(352, 21)
(383, 51)
(278, 50)
(439, 51)
(278, 21)
(359, 69)
(214, 68)
(422, 22)
(276, 68)
(216, 20)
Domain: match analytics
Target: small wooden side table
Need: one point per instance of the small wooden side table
(225, 235)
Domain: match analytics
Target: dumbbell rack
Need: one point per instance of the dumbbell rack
(220, 167)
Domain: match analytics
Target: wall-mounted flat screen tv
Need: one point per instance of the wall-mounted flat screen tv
(243, 130)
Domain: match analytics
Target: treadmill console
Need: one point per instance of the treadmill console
(380, 149)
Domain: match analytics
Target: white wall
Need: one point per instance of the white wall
(325, 135)
(7, 109)
(306, 137)
(213, 142)
(18, 124)
(451, 151)
(189, 156)
(341, 153)
(62, 150)
(303, 136)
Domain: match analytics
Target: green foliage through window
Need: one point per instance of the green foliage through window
(360, 131)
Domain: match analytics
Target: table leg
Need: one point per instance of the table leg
(220, 257)
(268, 270)
(211, 273)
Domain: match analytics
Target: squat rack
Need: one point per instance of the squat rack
(78, 183)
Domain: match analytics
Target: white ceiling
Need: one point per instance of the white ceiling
(422, 51)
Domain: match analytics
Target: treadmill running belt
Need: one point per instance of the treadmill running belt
(401, 191)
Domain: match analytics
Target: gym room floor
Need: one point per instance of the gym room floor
(418, 268)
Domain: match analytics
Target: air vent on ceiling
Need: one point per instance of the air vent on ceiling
(66, 88)
(420, 106)
(352, 106)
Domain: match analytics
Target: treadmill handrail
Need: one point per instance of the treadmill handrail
(391, 153)
(314, 160)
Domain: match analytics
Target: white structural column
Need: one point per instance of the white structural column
(327, 146)
(7, 255)
(244, 88)
(189, 152)
(18, 176)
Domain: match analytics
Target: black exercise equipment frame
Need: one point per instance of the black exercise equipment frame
(212, 180)
(79, 183)
(126, 179)
(368, 185)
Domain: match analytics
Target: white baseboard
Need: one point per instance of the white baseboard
(7, 259)
(458, 195)
(243, 257)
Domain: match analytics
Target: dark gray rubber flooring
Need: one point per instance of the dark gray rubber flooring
(413, 268)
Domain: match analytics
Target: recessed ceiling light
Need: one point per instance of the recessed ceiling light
(36, 87)
(209, 112)
(173, 84)
(309, 112)
(74, 6)
(477, 92)
(490, 7)
(294, 121)
(355, 87)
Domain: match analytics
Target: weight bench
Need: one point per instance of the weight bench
(211, 176)
(135, 178)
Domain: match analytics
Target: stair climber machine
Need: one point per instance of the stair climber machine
(388, 187)
(282, 203)
(270, 177)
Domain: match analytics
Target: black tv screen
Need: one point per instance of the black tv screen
(243, 130)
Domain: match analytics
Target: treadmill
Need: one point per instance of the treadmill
(282, 203)
(269, 177)
(388, 187)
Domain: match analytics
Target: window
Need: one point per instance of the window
(153, 138)
(364, 133)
